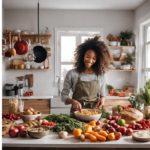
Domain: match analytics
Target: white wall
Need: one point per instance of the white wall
(111, 22)
(141, 16)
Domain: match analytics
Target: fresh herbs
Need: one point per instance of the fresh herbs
(64, 122)
(142, 97)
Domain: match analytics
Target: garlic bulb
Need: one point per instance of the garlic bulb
(63, 134)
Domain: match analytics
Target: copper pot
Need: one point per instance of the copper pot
(21, 46)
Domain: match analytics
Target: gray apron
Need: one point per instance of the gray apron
(87, 93)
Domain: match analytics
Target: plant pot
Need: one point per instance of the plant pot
(124, 42)
(113, 43)
(147, 112)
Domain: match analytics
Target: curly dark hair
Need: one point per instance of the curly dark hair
(103, 56)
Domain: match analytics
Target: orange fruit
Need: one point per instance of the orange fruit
(92, 123)
(77, 132)
(111, 136)
(88, 128)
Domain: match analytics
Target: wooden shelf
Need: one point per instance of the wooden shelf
(121, 70)
(43, 38)
(28, 69)
(121, 46)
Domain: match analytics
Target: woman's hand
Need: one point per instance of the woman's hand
(100, 102)
(76, 105)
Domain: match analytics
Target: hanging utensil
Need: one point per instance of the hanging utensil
(21, 46)
(10, 51)
(40, 53)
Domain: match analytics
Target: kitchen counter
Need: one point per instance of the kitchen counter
(30, 97)
(51, 97)
(52, 141)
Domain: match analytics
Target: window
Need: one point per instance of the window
(146, 57)
(65, 43)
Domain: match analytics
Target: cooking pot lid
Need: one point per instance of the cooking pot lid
(40, 54)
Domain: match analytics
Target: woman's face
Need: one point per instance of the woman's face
(89, 59)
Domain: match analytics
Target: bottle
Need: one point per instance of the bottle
(20, 105)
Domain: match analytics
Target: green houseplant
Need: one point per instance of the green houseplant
(125, 37)
(143, 97)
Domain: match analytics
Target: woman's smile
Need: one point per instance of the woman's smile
(89, 58)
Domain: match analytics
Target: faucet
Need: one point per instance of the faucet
(58, 84)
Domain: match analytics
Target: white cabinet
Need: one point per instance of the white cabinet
(58, 107)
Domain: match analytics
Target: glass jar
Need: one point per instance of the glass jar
(28, 65)
(13, 105)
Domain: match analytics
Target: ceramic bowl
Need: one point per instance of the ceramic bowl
(88, 114)
(141, 136)
(38, 132)
(117, 64)
(30, 117)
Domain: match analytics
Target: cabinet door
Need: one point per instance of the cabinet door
(42, 105)
(5, 105)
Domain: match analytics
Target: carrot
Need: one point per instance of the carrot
(86, 134)
(103, 133)
(99, 137)
(92, 138)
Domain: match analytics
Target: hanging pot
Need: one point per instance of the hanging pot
(40, 53)
(21, 46)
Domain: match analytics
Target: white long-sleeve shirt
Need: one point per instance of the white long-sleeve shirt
(71, 81)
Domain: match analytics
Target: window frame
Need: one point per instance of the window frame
(146, 43)
(69, 31)
(142, 70)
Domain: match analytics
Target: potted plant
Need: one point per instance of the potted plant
(142, 97)
(113, 40)
(128, 61)
(125, 37)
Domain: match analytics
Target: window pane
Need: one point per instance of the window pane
(147, 76)
(148, 56)
(148, 34)
(68, 44)
(83, 38)
(65, 69)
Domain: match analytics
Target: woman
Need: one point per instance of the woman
(87, 80)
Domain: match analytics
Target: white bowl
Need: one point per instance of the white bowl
(87, 117)
(117, 64)
(141, 136)
(113, 43)
(125, 67)
(30, 117)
